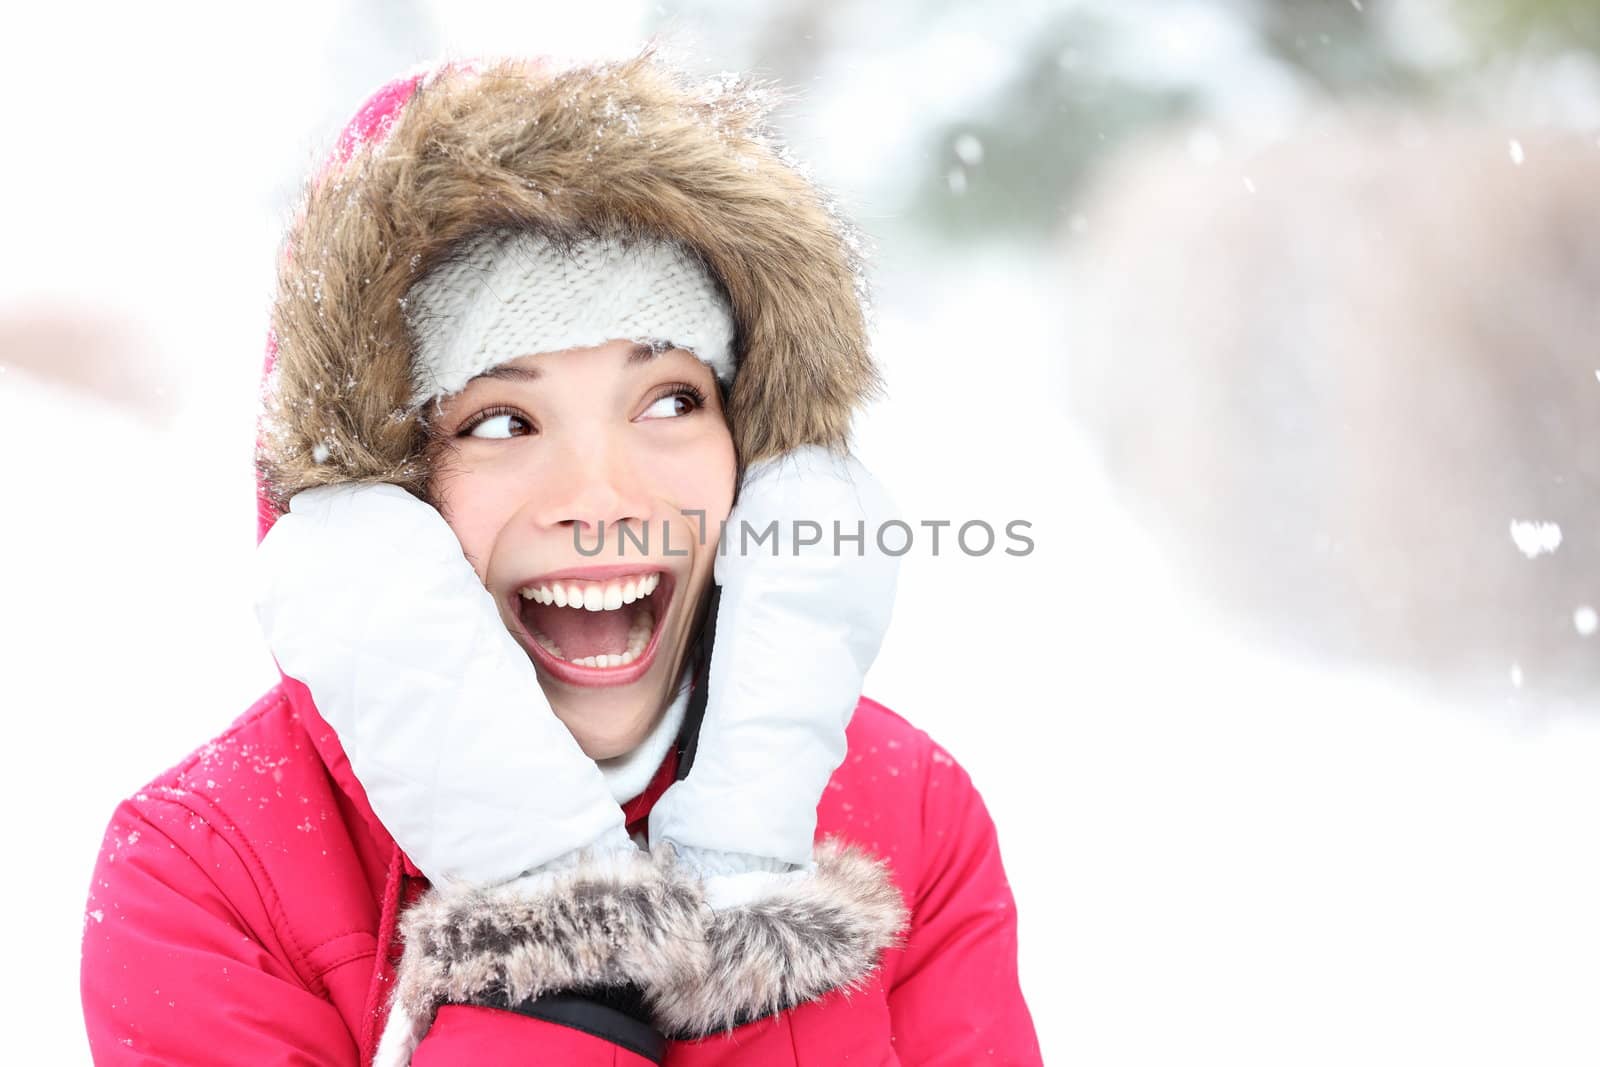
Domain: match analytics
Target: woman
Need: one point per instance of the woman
(559, 769)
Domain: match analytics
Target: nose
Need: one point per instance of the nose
(586, 487)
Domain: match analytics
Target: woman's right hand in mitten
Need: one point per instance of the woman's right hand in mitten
(366, 597)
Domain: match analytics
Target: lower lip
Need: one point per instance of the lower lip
(576, 673)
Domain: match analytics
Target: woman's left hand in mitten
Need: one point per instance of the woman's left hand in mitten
(798, 623)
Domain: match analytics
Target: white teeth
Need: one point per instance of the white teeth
(606, 660)
(548, 645)
(601, 596)
(594, 596)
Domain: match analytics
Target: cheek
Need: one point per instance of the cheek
(699, 476)
(474, 504)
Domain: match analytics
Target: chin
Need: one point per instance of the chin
(605, 733)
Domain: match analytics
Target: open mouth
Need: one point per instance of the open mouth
(594, 631)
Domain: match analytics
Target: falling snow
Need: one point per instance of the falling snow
(1535, 538)
(1116, 743)
(969, 149)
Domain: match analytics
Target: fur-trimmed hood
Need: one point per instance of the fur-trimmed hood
(625, 149)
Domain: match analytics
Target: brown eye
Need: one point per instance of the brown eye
(499, 426)
(683, 400)
(669, 407)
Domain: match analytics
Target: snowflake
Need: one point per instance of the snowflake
(1534, 538)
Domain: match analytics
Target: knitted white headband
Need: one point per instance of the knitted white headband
(512, 293)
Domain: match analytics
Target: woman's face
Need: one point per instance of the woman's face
(547, 457)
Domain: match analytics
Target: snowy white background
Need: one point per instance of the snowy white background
(1218, 854)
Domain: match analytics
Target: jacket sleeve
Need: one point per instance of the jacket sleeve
(180, 968)
(555, 966)
(492, 1037)
(176, 966)
(955, 997)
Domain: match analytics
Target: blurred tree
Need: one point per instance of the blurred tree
(1336, 46)
(1007, 170)
(1542, 25)
(1007, 163)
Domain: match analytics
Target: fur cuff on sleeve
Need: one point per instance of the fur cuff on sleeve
(642, 920)
(602, 923)
(805, 938)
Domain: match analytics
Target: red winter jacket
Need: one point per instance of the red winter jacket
(243, 911)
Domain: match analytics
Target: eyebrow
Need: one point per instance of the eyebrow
(508, 372)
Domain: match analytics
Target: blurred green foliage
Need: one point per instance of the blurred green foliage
(1336, 47)
(1003, 170)
(1044, 132)
(1087, 75)
(1546, 25)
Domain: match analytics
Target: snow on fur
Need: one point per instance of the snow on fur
(625, 150)
(645, 923)
(595, 924)
(806, 939)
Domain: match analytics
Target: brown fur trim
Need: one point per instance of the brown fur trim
(813, 936)
(620, 149)
(599, 924)
(646, 924)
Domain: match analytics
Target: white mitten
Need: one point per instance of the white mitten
(795, 634)
(365, 595)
